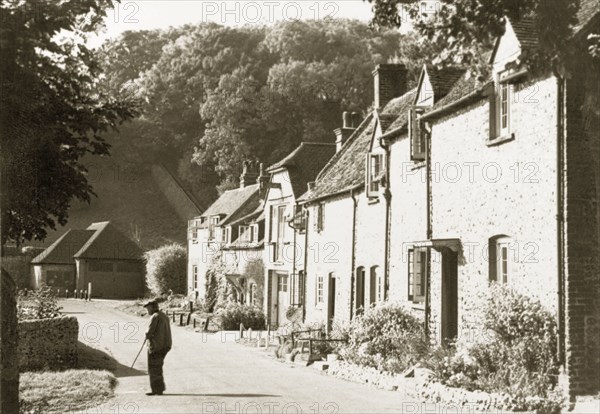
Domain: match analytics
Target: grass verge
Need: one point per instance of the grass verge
(71, 390)
(64, 391)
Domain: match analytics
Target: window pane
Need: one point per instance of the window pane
(410, 274)
(504, 264)
(504, 106)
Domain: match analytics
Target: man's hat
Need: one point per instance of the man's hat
(151, 303)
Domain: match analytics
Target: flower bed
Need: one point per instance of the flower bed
(431, 391)
(366, 375)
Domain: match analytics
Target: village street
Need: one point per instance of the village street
(209, 374)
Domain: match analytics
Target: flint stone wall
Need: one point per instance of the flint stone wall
(48, 343)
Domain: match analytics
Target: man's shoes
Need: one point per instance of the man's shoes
(154, 393)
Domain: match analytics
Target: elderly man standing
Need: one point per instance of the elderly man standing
(159, 344)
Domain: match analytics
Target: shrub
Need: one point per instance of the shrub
(37, 304)
(516, 355)
(234, 314)
(219, 291)
(166, 269)
(386, 337)
(175, 301)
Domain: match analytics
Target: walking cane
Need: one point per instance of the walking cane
(138, 354)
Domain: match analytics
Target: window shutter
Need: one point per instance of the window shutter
(373, 285)
(368, 178)
(493, 261)
(415, 133)
(494, 112)
(271, 222)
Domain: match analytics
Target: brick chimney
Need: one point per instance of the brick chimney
(390, 83)
(342, 134)
(262, 181)
(250, 174)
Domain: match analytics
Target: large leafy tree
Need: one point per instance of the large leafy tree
(321, 68)
(215, 96)
(461, 31)
(52, 112)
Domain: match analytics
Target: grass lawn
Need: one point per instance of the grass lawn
(64, 391)
(70, 390)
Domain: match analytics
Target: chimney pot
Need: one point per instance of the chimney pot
(389, 82)
(355, 119)
(262, 181)
(342, 134)
(249, 175)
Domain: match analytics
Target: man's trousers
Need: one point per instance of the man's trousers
(155, 371)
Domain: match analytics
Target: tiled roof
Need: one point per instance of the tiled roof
(231, 201)
(442, 80)
(462, 87)
(304, 163)
(400, 106)
(63, 249)
(526, 32)
(386, 120)
(346, 170)
(251, 204)
(253, 217)
(107, 242)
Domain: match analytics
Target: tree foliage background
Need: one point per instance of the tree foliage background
(460, 32)
(51, 112)
(215, 96)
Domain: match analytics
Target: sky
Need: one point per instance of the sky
(161, 14)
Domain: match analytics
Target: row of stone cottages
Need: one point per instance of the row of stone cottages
(438, 191)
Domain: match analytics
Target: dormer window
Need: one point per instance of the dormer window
(212, 225)
(225, 231)
(500, 109)
(245, 234)
(375, 173)
(417, 134)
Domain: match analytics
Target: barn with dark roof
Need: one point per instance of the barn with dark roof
(100, 257)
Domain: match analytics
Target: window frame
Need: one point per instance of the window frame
(320, 222)
(213, 223)
(418, 264)
(500, 261)
(504, 92)
(245, 233)
(282, 283)
(501, 95)
(375, 285)
(319, 290)
(417, 134)
(254, 237)
(195, 278)
(376, 167)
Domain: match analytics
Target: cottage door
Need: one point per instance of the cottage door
(283, 300)
(331, 303)
(449, 295)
